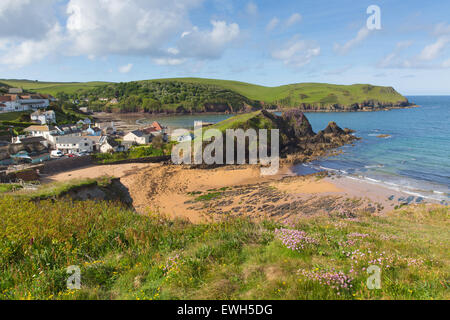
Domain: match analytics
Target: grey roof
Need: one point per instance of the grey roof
(70, 140)
(112, 142)
(137, 133)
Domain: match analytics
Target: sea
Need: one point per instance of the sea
(412, 155)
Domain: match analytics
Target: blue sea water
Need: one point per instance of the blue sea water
(415, 158)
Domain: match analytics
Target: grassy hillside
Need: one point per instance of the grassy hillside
(254, 120)
(196, 94)
(123, 255)
(52, 87)
(308, 93)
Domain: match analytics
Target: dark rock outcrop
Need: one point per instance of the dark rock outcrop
(333, 128)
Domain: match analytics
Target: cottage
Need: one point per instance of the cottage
(15, 90)
(138, 137)
(97, 141)
(19, 102)
(96, 132)
(106, 127)
(43, 117)
(73, 145)
(10, 103)
(42, 131)
(108, 144)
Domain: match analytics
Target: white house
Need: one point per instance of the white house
(108, 144)
(42, 131)
(44, 117)
(34, 101)
(107, 127)
(15, 90)
(74, 144)
(16, 102)
(137, 137)
(10, 103)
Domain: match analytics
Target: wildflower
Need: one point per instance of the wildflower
(294, 239)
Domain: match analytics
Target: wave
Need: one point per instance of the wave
(407, 187)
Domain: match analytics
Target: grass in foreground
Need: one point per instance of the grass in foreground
(57, 189)
(126, 256)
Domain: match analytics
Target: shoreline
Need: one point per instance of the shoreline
(205, 195)
(163, 114)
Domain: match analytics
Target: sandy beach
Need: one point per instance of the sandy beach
(200, 195)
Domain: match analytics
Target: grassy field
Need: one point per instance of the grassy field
(52, 87)
(13, 116)
(122, 255)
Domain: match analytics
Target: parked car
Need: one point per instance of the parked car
(83, 153)
(56, 154)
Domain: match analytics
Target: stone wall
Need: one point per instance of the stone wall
(58, 166)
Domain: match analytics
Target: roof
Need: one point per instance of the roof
(40, 128)
(157, 126)
(70, 140)
(40, 112)
(95, 139)
(5, 98)
(150, 130)
(111, 142)
(69, 128)
(15, 90)
(137, 133)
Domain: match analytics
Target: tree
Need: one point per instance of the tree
(158, 142)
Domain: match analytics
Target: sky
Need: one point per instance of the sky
(266, 42)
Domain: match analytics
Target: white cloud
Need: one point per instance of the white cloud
(99, 27)
(252, 8)
(427, 57)
(392, 58)
(432, 51)
(169, 61)
(293, 19)
(272, 24)
(362, 34)
(26, 19)
(126, 68)
(29, 51)
(297, 53)
(208, 44)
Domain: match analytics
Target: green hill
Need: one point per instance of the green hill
(185, 95)
(51, 87)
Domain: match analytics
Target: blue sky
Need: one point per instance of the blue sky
(265, 42)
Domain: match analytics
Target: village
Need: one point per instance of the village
(49, 140)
